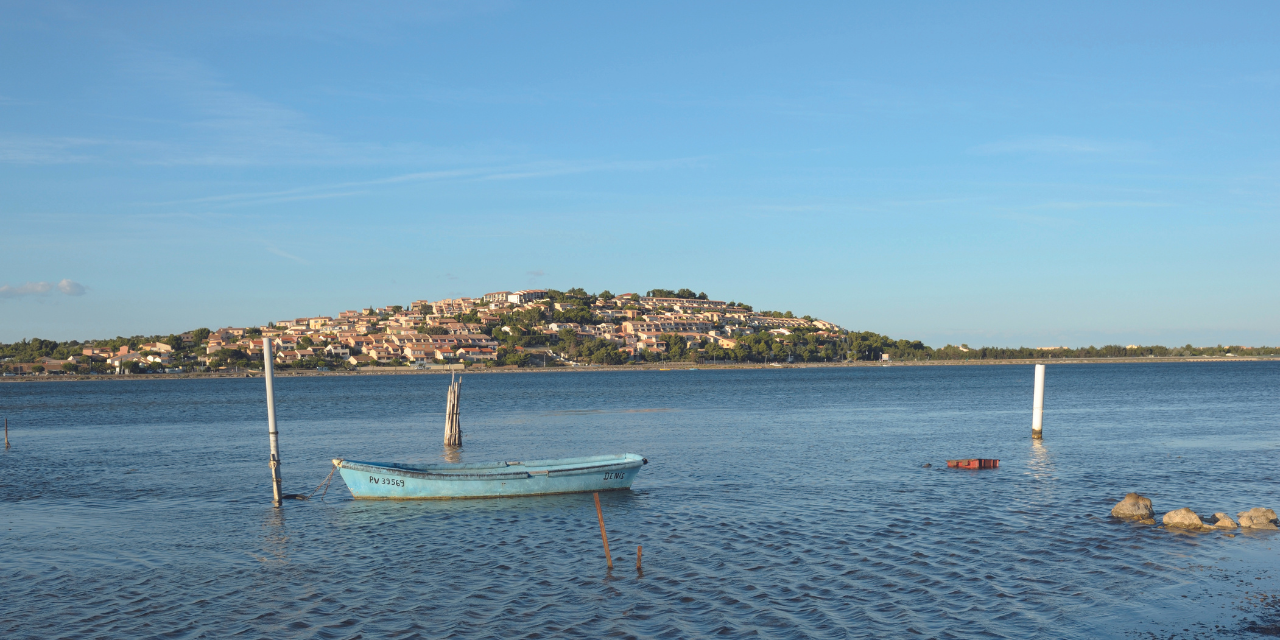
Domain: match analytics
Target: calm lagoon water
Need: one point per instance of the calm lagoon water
(777, 503)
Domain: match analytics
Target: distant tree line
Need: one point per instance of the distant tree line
(36, 348)
(686, 294)
(964, 352)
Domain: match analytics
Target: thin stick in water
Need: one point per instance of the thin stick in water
(603, 536)
(267, 372)
(638, 553)
(452, 421)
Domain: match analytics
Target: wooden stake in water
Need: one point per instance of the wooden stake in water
(603, 536)
(6, 432)
(268, 373)
(452, 415)
(1037, 405)
(638, 551)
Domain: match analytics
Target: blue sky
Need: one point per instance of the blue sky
(1001, 174)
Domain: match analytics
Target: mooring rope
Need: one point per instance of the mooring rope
(325, 484)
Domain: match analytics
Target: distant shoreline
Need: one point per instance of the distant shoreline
(673, 366)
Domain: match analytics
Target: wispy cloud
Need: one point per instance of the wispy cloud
(789, 208)
(224, 125)
(27, 149)
(66, 287)
(71, 287)
(551, 169)
(1039, 220)
(28, 289)
(314, 191)
(200, 117)
(49, 150)
(1103, 204)
(523, 171)
(1055, 145)
(285, 254)
(207, 121)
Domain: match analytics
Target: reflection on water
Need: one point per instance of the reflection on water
(1039, 462)
(1223, 442)
(451, 454)
(275, 537)
(583, 412)
(777, 503)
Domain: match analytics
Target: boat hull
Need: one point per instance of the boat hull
(394, 481)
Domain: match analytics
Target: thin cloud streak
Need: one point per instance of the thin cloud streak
(1054, 145)
(314, 196)
(409, 177)
(215, 123)
(285, 254)
(49, 150)
(1102, 204)
(510, 172)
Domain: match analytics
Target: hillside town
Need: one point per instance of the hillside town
(532, 327)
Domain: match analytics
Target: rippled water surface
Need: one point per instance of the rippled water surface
(777, 503)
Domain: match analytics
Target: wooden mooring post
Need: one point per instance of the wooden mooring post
(638, 552)
(6, 432)
(604, 536)
(452, 417)
(1037, 405)
(268, 371)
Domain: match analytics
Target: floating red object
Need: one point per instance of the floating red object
(974, 463)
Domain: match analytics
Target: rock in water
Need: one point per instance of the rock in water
(1257, 518)
(1224, 521)
(1183, 518)
(1134, 507)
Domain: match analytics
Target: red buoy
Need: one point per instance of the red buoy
(974, 463)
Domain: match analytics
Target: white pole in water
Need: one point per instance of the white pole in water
(1037, 405)
(267, 372)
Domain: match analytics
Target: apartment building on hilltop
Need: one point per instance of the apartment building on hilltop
(660, 325)
(684, 302)
(526, 296)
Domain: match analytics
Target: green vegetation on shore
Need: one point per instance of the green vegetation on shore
(36, 348)
(952, 352)
(801, 346)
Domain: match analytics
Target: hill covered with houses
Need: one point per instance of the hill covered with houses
(533, 327)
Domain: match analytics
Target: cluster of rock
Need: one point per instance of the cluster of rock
(1137, 507)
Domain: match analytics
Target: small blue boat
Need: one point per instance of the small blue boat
(394, 481)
